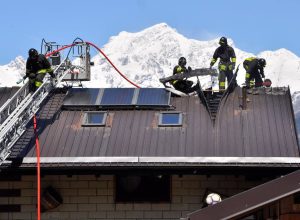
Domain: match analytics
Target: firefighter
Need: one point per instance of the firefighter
(36, 68)
(227, 61)
(185, 86)
(254, 71)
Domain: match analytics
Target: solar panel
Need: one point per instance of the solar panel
(82, 97)
(117, 96)
(153, 97)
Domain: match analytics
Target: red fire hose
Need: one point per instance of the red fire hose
(38, 167)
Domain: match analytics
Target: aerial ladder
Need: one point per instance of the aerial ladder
(23, 105)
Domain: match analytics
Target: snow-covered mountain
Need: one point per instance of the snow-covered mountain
(10, 73)
(150, 54)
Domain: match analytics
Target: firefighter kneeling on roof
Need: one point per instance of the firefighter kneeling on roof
(185, 86)
(37, 66)
(254, 71)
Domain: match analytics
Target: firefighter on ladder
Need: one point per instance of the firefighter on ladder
(254, 71)
(37, 66)
(227, 62)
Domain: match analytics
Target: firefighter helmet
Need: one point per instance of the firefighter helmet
(182, 61)
(262, 62)
(33, 53)
(223, 41)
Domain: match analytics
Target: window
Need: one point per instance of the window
(170, 119)
(145, 188)
(94, 119)
(296, 197)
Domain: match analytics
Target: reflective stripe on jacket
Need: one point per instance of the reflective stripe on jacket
(177, 70)
(226, 54)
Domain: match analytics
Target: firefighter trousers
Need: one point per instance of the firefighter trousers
(225, 71)
(35, 81)
(253, 76)
(185, 86)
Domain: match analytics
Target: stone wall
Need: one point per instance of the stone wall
(92, 197)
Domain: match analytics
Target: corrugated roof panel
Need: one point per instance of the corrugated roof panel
(148, 123)
(90, 142)
(73, 132)
(236, 133)
(297, 118)
(260, 130)
(60, 145)
(118, 122)
(75, 148)
(123, 131)
(46, 117)
(291, 131)
(135, 142)
(6, 93)
(104, 141)
(261, 123)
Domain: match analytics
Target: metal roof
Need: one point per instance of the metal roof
(6, 93)
(250, 200)
(266, 129)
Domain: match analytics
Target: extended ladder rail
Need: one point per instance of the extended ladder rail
(18, 110)
(15, 123)
(12, 103)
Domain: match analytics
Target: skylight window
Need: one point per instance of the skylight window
(170, 119)
(94, 118)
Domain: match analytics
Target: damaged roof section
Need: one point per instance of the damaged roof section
(266, 128)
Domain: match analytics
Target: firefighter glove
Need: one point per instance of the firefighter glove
(19, 81)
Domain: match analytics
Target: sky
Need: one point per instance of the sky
(254, 26)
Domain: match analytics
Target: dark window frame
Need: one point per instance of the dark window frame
(86, 123)
(149, 188)
(296, 198)
(160, 119)
(10, 208)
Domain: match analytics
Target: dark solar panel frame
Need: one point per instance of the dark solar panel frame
(117, 97)
(153, 97)
(82, 97)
